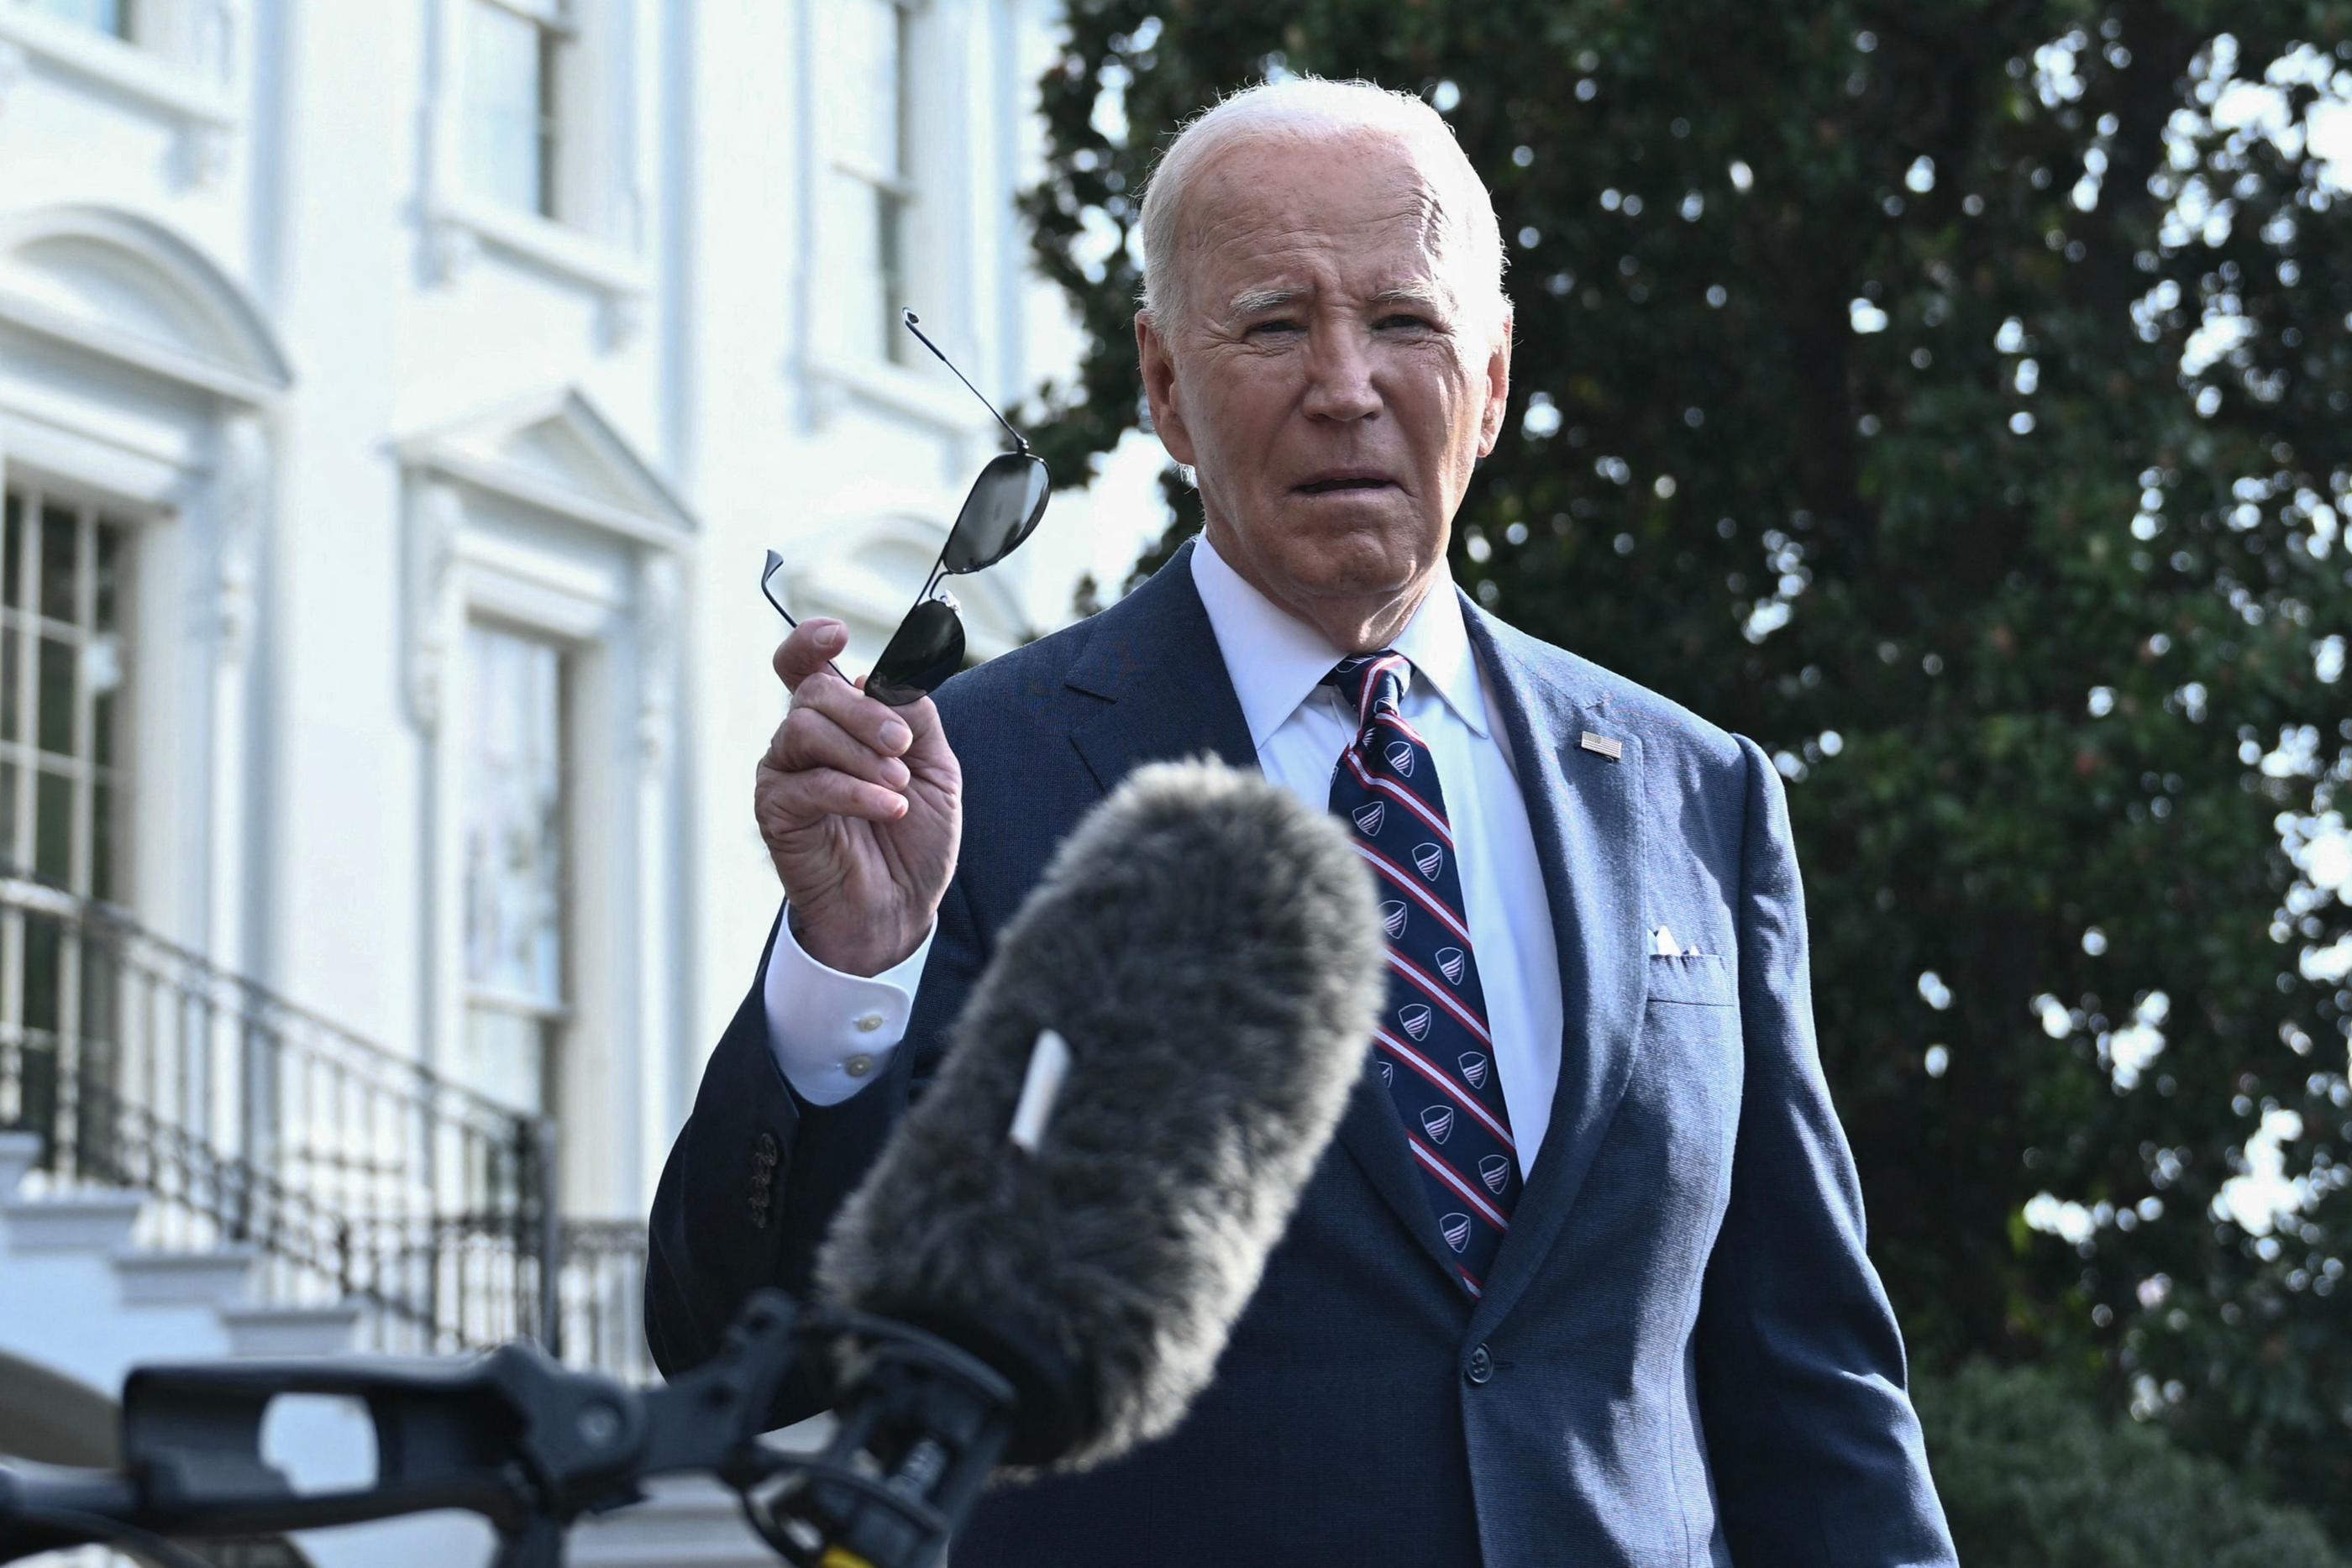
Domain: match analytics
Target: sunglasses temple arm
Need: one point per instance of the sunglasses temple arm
(796, 626)
(1019, 440)
(930, 586)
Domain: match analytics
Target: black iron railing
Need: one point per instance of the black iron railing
(358, 1175)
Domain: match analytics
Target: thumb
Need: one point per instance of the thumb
(812, 645)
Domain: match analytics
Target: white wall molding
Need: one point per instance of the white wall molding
(660, 581)
(174, 76)
(242, 489)
(436, 515)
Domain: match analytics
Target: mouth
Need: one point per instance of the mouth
(1346, 482)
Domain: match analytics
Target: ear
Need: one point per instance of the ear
(1498, 388)
(1159, 368)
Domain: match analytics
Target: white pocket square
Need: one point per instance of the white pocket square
(1664, 945)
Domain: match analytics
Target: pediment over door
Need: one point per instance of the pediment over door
(556, 453)
(556, 459)
(126, 288)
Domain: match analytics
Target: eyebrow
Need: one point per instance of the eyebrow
(1259, 301)
(1418, 293)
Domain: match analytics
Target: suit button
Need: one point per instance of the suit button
(1482, 1366)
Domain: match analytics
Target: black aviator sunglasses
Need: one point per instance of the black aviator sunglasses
(1002, 509)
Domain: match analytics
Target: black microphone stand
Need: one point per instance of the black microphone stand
(531, 1446)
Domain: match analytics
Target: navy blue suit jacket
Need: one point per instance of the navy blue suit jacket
(1683, 1357)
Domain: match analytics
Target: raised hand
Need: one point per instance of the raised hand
(861, 806)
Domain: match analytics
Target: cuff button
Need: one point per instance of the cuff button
(868, 1023)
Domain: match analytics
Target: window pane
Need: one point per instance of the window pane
(505, 154)
(890, 267)
(60, 550)
(12, 717)
(12, 854)
(102, 668)
(869, 223)
(514, 818)
(53, 826)
(106, 15)
(112, 556)
(509, 1056)
(868, 60)
(43, 953)
(103, 827)
(56, 697)
(11, 576)
(102, 720)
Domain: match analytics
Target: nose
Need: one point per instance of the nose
(1340, 377)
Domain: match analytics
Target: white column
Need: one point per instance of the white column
(239, 512)
(436, 516)
(660, 589)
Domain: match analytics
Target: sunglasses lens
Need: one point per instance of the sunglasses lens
(1002, 509)
(926, 650)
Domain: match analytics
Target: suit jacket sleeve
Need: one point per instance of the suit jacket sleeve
(757, 1172)
(1815, 1450)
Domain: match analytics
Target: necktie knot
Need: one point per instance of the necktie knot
(1371, 680)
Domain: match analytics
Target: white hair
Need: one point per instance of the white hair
(1307, 109)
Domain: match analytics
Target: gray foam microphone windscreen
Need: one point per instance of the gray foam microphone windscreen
(1208, 950)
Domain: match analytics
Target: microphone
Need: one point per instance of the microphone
(1134, 1098)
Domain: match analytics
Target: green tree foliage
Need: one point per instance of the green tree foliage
(1955, 398)
(2028, 1477)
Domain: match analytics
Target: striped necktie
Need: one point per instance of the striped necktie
(1432, 1047)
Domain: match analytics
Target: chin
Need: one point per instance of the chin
(1353, 567)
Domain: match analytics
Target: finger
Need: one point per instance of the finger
(809, 738)
(922, 716)
(869, 720)
(813, 646)
(787, 801)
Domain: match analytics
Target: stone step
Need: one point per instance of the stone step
(266, 1329)
(96, 1219)
(17, 1152)
(219, 1278)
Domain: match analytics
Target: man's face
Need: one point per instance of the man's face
(1327, 383)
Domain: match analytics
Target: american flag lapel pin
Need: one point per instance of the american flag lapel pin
(1613, 749)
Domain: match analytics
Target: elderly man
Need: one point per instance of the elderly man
(1582, 1279)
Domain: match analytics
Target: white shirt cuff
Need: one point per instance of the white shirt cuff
(834, 1033)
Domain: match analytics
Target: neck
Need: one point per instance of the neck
(1351, 624)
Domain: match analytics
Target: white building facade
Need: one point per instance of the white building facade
(397, 399)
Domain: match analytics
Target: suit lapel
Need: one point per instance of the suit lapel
(1584, 808)
(1155, 664)
(1153, 659)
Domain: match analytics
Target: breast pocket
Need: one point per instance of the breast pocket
(1698, 979)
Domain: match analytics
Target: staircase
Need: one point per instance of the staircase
(259, 1147)
(192, 1168)
(81, 1296)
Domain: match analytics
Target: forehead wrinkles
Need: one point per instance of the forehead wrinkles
(1244, 219)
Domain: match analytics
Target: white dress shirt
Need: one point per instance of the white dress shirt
(833, 1033)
